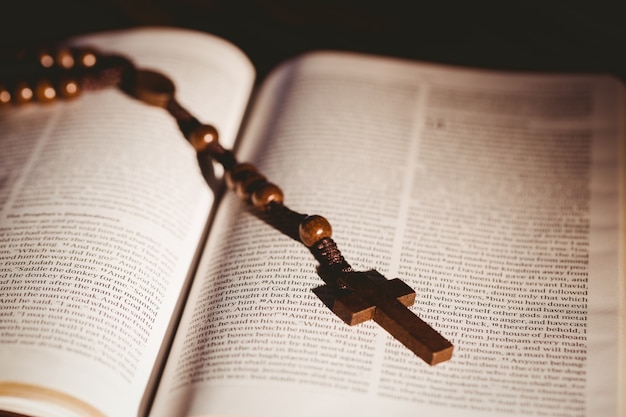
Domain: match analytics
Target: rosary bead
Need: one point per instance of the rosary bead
(313, 229)
(248, 184)
(45, 92)
(5, 95)
(65, 59)
(23, 93)
(265, 194)
(86, 57)
(46, 60)
(238, 173)
(153, 88)
(203, 137)
(68, 88)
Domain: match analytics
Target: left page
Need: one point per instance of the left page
(102, 209)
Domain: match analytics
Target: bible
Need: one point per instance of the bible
(132, 284)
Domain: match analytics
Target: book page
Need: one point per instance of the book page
(495, 196)
(102, 209)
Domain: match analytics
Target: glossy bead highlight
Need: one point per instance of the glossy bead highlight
(203, 137)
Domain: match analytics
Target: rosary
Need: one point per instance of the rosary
(356, 296)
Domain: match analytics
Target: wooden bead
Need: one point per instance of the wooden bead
(203, 137)
(64, 58)
(313, 229)
(87, 58)
(46, 59)
(45, 92)
(5, 95)
(153, 88)
(265, 194)
(68, 88)
(238, 173)
(248, 184)
(23, 93)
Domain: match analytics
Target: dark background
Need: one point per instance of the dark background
(541, 35)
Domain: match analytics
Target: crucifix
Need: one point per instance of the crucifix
(357, 297)
(363, 296)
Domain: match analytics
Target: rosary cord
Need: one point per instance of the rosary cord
(356, 296)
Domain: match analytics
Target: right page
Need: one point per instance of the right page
(495, 196)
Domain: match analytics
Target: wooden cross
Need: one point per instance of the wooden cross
(363, 296)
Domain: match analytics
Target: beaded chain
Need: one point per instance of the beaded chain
(63, 73)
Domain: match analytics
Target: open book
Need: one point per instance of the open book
(130, 285)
